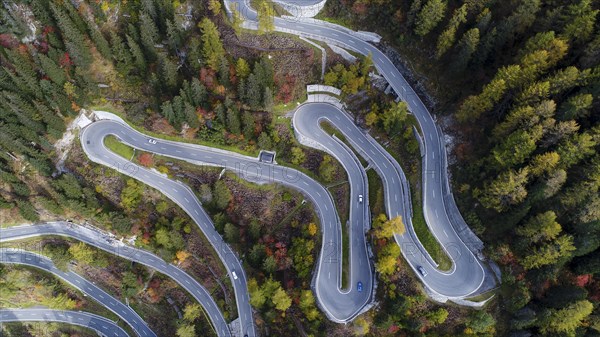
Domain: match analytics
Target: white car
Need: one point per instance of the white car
(152, 141)
(422, 271)
(234, 275)
(360, 198)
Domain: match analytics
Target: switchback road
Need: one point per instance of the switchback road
(97, 323)
(126, 313)
(109, 244)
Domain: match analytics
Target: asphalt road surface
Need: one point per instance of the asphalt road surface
(109, 244)
(467, 274)
(92, 137)
(340, 306)
(97, 323)
(126, 313)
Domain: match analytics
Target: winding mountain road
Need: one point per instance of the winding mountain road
(341, 305)
(450, 284)
(101, 325)
(22, 257)
(109, 244)
(467, 273)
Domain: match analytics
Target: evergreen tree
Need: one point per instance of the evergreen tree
(541, 227)
(199, 95)
(148, 35)
(233, 121)
(52, 70)
(266, 17)
(138, 55)
(448, 36)
(508, 189)
(467, 46)
(249, 125)
(224, 72)
(264, 141)
(242, 69)
(268, 100)
(212, 48)
(221, 195)
(169, 72)
(73, 38)
(120, 52)
(430, 16)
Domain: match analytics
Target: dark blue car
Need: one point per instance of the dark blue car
(359, 286)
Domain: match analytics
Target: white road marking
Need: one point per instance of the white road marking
(445, 233)
(186, 200)
(393, 75)
(436, 214)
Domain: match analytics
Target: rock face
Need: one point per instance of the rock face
(302, 8)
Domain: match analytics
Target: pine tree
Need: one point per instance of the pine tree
(430, 16)
(448, 36)
(221, 195)
(214, 6)
(52, 70)
(198, 93)
(237, 20)
(148, 35)
(264, 141)
(169, 72)
(233, 122)
(467, 46)
(194, 57)
(190, 115)
(266, 17)
(253, 94)
(506, 190)
(167, 112)
(99, 40)
(224, 72)
(173, 36)
(212, 48)
(268, 100)
(580, 18)
(566, 320)
(242, 69)
(73, 37)
(138, 55)
(541, 227)
(249, 125)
